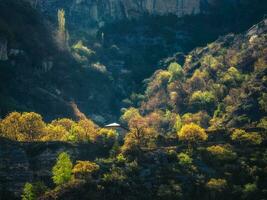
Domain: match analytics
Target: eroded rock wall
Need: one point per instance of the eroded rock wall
(30, 162)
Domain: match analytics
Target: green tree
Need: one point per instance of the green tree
(184, 159)
(62, 33)
(202, 100)
(129, 114)
(28, 192)
(263, 102)
(32, 191)
(62, 169)
(232, 77)
(176, 71)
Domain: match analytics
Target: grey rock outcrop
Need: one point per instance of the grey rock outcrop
(120, 9)
(30, 162)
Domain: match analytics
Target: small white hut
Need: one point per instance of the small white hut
(117, 127)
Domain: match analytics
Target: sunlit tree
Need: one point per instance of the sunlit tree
(55, 133)
(216, 184)
(33, 125)
(65, 122)
(62, 169)
(62, 33)
(202, 100)
(11, 127)
(84, 169)
(140, 135)
(130, 114)
(192, 134)
(242, 136)
(106, 137)
(89, 127)
(28, 192)
(220, 152)
(232, 77)
(176, 71)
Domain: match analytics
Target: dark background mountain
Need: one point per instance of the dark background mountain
(126, 40)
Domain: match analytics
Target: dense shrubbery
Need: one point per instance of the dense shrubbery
(31, 127)
(242, 136)
(84, 169)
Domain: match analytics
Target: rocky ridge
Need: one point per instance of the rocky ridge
(120, 9)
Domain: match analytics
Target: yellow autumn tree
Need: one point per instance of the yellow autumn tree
(140, 134)
(55, 133)
(62, 33)
(65, 122)
(84, 169)
(89, 127)
(106, 137)
(129, 114)
(33, 125)
(192, 134)
(10, 127)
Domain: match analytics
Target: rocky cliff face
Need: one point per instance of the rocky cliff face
(120, 9)
(97, 12)
(28, 162)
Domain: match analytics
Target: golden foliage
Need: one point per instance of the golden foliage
(221, 152)
(65, 122)
(192, 133)
(200, 118)
(243, 137)
(140, 135)
(89, 127)
(11, 127)
(84, 169)
(55, 133)
(32, 125)
(23, 127)
(216, 184)
(176, 71)
(130, 114)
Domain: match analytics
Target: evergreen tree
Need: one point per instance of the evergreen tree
(28, 192)
(62, 169)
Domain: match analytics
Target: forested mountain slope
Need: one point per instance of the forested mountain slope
(186, 79)
(37, 74)
(216, 104)
(88, 56)
(198, 132)
(223, 84)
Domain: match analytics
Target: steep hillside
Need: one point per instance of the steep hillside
(36, 74)
(108, 49)
(194, 120)
(28, 162)
(221, 87)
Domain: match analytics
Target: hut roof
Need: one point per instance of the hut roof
(113, 125)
